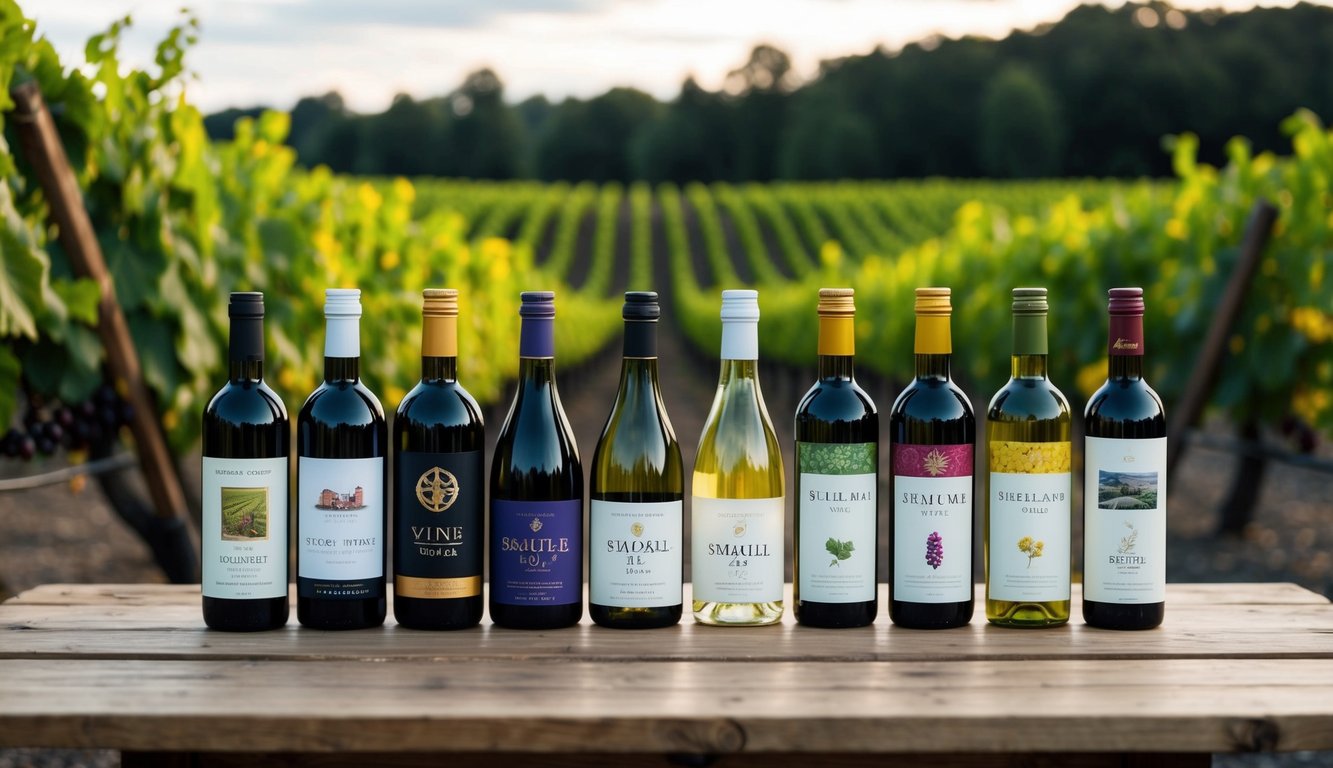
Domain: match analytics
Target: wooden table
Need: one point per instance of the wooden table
(1236, 667)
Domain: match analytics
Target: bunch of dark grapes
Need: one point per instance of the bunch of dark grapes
(49, 425)
(934, 550)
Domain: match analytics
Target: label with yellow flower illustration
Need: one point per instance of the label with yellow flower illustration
(1124, 519)
(932, 523)
(1029, 513)
(737, 549)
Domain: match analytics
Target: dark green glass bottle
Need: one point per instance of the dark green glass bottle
(837, 481)
(933, 433)
(636, 531)
(536, 505)
(439, 484)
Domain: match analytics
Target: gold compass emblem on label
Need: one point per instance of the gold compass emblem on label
(437, 489)
(535, 525)
(636, 529)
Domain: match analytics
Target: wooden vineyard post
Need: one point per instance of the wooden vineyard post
(167, 533)
(1203, 377)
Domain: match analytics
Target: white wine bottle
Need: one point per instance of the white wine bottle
(738, 506)
(1028, 490)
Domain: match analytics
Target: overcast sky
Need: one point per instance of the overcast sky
(272, 52)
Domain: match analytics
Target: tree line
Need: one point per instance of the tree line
(1090, 95)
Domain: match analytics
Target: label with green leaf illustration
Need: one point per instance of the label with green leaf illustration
(1124, 514)
(836, 495)
(1029, 520)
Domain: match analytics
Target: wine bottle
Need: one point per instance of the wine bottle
(1028, 490)
(737, 548)
(933, 432)
(1124, 483)
(341, 478)
(247, 454)
(837, 481)
(636, 526)
(439, 484)
(536, 566)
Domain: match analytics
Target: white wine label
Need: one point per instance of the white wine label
(837, 497)
(634, 556)
(932, 523)
(245, 528)
(340, 509)
(1124, 519)
(1029, 517)
(737, 549)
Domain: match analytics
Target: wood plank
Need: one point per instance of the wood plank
(690, 707)
(592, 760)
(139, 628)
(1221, 594)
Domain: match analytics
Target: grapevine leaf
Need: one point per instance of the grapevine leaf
(157, 353)
(136, 272)
(839, 549)
(9, 383)
(80, 298)
(22, 274)
(81, 373)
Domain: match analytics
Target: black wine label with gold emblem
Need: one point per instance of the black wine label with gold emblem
(438, 526)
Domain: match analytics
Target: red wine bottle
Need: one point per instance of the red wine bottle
(536, 506)
(1124, 483)
(439, 484)
(933, 432)
(341, 478)
(837, 481)
(247, 455)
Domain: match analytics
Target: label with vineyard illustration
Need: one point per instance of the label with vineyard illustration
(1124, 514)
(836, 495)
(1029, 514)
(245, 528)
(932, 523)
(737, 549)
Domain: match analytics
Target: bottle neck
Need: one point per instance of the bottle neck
(640, 339)
(245, 349)
(1028, 366)
(1030, 347)
(933, 366)
(739, 373)
(536, 337)
(1124, 346)
(837, 346)
(933, 346)
(535, 370)
(342, 336)
(740, 340)
(439, 348)
(338, 369)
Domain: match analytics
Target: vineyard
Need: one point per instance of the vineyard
(184, 221)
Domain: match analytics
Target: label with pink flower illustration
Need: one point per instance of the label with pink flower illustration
(932, 523)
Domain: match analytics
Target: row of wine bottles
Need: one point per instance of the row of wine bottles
(349, 468)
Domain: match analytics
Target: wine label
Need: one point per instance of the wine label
(635, 553)
(737, 549)
(340, 514)
(837, 496)
(1029, 521)
(1124, 519)
(537, 552)
(438, 527)
(245, 528)
(932, 523)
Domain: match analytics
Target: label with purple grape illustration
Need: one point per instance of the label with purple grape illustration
(1124, 518)
(836, 495)
(932, 523)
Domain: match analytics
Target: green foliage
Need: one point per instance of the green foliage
(841, 550)
(1021, 130)
(183, 221)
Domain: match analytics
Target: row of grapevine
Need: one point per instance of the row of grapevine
(183, 221)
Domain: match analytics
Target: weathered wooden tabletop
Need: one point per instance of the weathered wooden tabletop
(1235, 667)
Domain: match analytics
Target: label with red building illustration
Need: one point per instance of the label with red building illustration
(340, 528)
